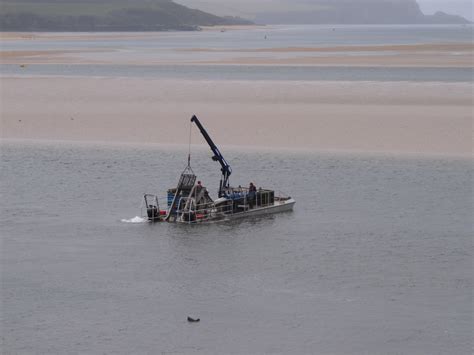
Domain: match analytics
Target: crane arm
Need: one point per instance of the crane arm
(225, 167)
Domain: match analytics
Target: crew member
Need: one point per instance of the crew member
(252, 195)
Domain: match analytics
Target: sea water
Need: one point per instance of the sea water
(252, 38)
(376, 257)
(243, 72)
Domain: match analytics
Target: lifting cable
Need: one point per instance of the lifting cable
(188, 168)
(189, 148)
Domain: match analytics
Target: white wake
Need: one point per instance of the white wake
(136, 219)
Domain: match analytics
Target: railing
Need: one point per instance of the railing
(150, 201)
(237, 203)
(203, 212)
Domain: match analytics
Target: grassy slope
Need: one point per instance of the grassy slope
(102, 14)
(77, 8)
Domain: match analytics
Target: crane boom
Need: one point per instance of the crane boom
(225, 167)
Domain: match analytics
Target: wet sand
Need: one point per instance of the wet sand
(422, 55)
(399, 48)
(382, 117)
(381, 60)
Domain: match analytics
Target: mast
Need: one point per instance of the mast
(225, 167)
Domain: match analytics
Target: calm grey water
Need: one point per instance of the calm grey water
(277, 36)
(375, 259)
(244, 72)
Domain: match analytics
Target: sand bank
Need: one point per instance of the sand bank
(236, 28)
(431, 47)
(401, 118)
(420, 55)
(76, 36)
(423, 55)
(392, 61)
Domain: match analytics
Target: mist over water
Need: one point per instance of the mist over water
(375, 258)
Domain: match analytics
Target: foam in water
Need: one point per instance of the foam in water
(136, 219)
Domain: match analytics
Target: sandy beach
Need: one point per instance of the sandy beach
(383, 117)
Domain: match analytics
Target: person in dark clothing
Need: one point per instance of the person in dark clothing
(197, 193)
(252, 195)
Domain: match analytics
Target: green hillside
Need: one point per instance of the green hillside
(104, 15)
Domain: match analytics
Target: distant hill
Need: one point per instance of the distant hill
(105, 15)
(328, 11)
(359, 12)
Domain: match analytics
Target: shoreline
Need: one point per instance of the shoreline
(117, 145)
(87, 35)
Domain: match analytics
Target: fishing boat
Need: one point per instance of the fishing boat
(190, 202)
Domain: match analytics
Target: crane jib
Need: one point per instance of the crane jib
(225, 167)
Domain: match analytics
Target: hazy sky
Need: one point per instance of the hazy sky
(247, 8)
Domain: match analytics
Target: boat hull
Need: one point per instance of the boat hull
(276, 207)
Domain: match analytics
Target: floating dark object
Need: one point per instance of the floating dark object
(193, 320)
